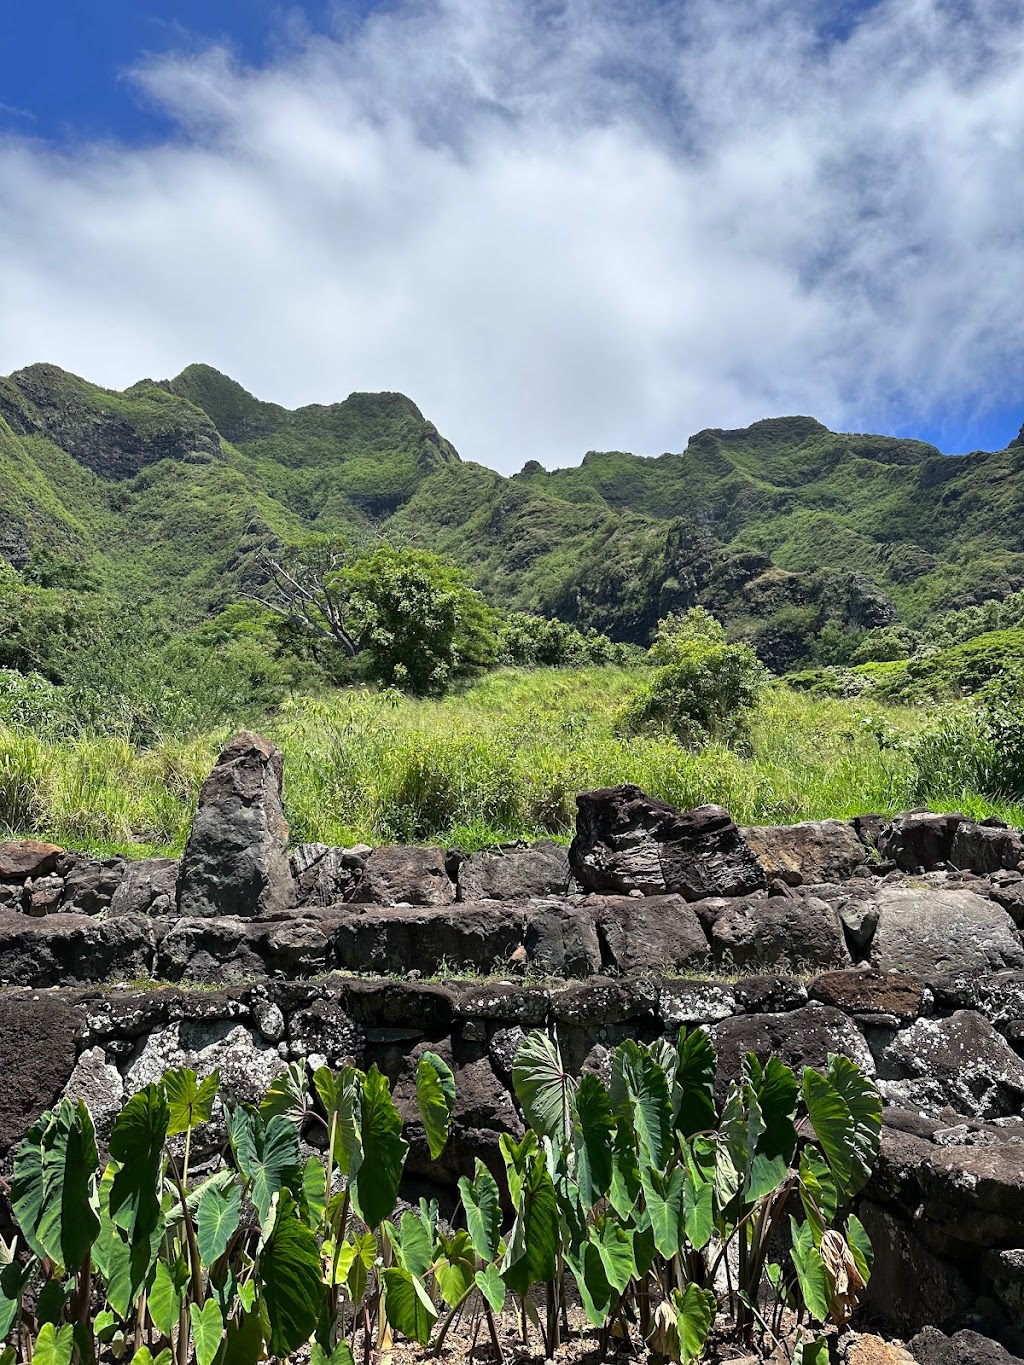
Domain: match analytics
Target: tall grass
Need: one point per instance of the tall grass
(504, 759)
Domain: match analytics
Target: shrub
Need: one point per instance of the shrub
(701, 688)
(976, 748)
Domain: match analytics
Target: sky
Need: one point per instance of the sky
(557, 225)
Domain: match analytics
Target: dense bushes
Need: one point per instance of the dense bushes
(638, 1192)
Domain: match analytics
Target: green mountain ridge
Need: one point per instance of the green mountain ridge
(170, 488)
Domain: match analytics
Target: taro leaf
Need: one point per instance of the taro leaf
(290, 1283)
(695, 1083)
(834, 1128)
(286, 1094)
(341, 1095)
(643, 1246)
(777, 1093)
(544, 1088)
(492, 1287)
(408, 1306)
(517, 1157)
(592, 1136)
(165, 1296)
(50, 1304)
(207, 1330)
(375, 1188)
(14, 1280)
(817, 1191)
(615, 1248)
(455, 1267)
(314, 1191)
(415, 1244)
(435, 1095)
(860, 1245)
(810, 1271)
(217, 1222)
(481, 1201)
(189, 1103)
(125, 1266)
(267, 1155)
(533, 1246)
(340, 1355)
(137, 1142)
(811, 1352)
(596, 1293)
(640, 1097)
(247, 1295)
(698, 1210)
(664, 1198)
(364, 1254)
(695, 1314)
(865, 1105)
(144, 1356)
(624, 1190)
(53, 1346)
(243, 1340)
(54, 1178)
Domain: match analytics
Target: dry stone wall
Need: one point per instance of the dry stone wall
(896, 942)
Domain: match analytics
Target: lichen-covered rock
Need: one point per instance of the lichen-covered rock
(99, 1083)
(325, 1030)
(515, 873)
(405, 876)
(799, 934)
(235, 860)
(43, 895)
(813, 851)
(246, 1062)
(626, 840)
(931, 933)
(958, 1063)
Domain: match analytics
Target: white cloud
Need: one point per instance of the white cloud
(557, 225)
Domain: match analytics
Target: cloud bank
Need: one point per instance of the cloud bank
(557, 224)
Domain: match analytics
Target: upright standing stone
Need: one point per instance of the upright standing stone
(235, 860)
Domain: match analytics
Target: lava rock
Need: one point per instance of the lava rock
(37, 1058)
(650, 933)
(813, 851)
(24, 858)
(931, 933)
(515, 873)
(959, 1062)
(405, 876)
(778, 932)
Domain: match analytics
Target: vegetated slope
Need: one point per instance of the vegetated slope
(783, 528)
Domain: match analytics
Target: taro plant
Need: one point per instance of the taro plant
(674, 1213)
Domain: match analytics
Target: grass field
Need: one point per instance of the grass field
(502, 760)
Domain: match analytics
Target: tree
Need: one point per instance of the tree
(303, 584)
(701, 687)
(415, 619)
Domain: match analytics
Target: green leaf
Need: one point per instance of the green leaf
(864, 1102)
(615, 1248)
(591, 1279)
(833, 1127)
(217, 1222)
(267, 1155)
(125, 1265)
(137, 1143)
(340, 1355)
(544, 1088)
(455, 1266)
(810, 1271)
(530, 1257)
(14, 1280)
(243, 1340)
(165, 1296)
(364, 1250)
(190, 1104)
(482, 1203)
(416, 1244)
(290, 1283)
(286, 1094)
(517, 1157)
(695, 1314)
(207, 1330)
(817, 1191)
(664, 1198)
(342, 1097)
(144, 1356)
(491, 1286)
(592, 1138)
(53, 1346)
(408, 1305)
(695, 1083)
(641, 1100)
(860, 1245)
(624, 1190)
(375, 1188)
(698, 1209)
(54, 1184)
(435, 1096)
(51, 1301)
(811, 1352)
(314, 1190)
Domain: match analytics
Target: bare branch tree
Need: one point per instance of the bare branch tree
(303, 585)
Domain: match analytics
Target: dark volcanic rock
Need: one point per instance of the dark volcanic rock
(89, 883)
(932, 1347)
(960, 1063)
(147, 888)
(802, 1037)
(323, 875)
(813, 851)
(235, 861)
(24, 858)
(863, 991)
(61, 949)
(766, 932)
(931, 933)
(920, 841)
(626, 840)
(515, 873)
(405, 876)
(37, 1057)
(474, 938)
(650, 933)
(561, 940)
(984, 849)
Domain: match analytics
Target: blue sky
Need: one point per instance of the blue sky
(556, 224)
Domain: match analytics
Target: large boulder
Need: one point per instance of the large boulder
(931, 933)
(863, 992)
(148, 887)
(795, 933)
(24, 858)
(919, 841)
(405, 876)
(813, 851)
(90, 884)
(648, 933)
(37, 1057)
(235, 860)
(61, 949)
(230, 949)
(247, 1063)
(932, 1347)
(516, 872)
(469, 938)
(958, 1063)
(802, 1037)
(986, 848)
(628, 841)
(323, 875)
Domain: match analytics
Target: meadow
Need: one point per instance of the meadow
(502, 759)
